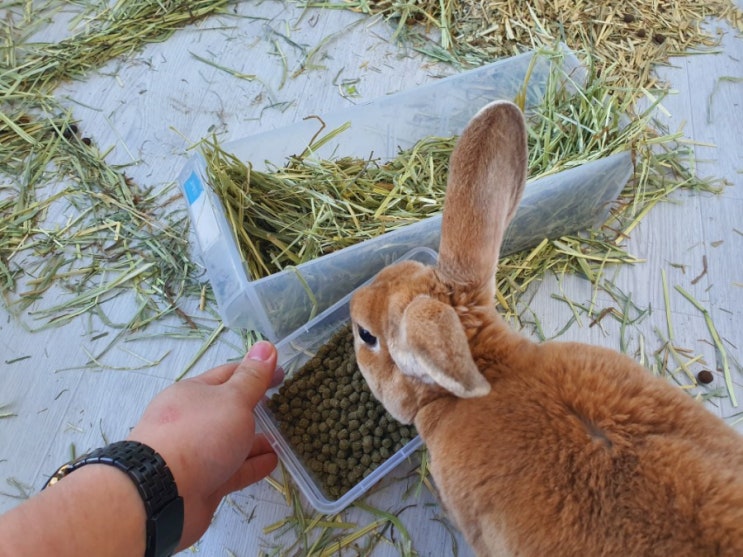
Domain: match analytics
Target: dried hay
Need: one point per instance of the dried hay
(627, 37)
(120, 237)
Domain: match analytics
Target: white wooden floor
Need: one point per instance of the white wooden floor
(145, 107)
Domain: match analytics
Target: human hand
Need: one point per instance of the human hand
(204, 429)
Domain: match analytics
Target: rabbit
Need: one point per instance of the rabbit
(537, 449)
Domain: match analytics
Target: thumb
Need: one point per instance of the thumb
(254, 373)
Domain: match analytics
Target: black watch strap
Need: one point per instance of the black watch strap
(155, 484)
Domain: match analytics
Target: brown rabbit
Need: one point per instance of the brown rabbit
(537, 449)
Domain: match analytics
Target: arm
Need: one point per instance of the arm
(94, 511)
(203, 428)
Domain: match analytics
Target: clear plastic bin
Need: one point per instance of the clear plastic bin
(293, 352)
(276, 305)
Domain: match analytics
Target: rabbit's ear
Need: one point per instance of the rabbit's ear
(487, 174)
(432, 346)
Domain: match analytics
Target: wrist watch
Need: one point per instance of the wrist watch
(155, 484)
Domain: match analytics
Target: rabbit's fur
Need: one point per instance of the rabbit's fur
(537, 449)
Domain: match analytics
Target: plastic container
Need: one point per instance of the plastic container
(276, 305)
(293, 352)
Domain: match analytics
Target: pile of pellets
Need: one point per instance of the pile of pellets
(327, 413)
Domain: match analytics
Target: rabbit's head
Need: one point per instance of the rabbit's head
(411, 345)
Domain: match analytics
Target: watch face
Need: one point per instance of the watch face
(164, 530)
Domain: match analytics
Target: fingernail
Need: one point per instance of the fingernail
(260, 351)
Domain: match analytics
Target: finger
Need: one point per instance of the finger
(278, 377)
(255, 468)
(261, 445)
(254, 374)
(217, 375)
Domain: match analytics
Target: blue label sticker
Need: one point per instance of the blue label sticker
(193, 188)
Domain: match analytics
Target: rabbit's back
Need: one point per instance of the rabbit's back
(578, 450)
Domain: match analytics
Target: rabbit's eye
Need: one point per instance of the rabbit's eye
(367, 337)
